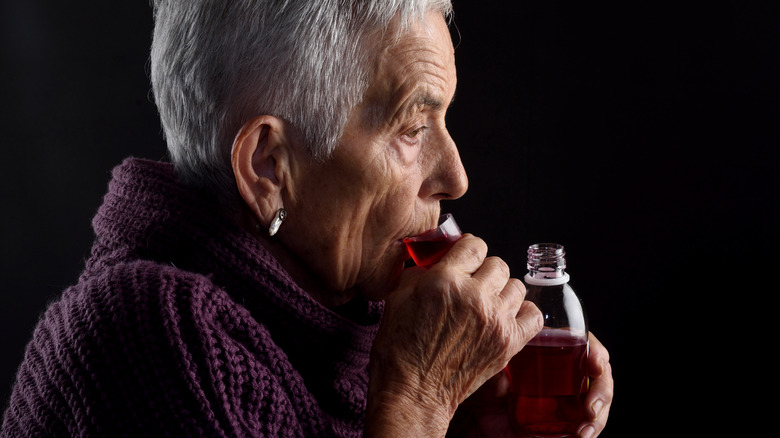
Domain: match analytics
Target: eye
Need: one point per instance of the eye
(415, 132)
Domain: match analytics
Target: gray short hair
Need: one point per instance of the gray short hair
(217, 63)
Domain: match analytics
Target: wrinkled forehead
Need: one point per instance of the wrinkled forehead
(417, 66)
(431, 31)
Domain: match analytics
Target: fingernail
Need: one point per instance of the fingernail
(596, 408)
(587, 432)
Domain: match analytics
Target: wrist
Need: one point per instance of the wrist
(400, 404)
(393, 414)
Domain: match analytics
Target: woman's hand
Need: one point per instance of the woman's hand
(444, 333)
(599, 399)
(486, 413)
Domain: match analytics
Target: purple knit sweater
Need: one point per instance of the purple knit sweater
(182, 324)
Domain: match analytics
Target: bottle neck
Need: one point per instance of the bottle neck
(546, 265)
(546, 281)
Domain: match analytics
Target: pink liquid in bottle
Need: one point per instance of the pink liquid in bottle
(549, 403)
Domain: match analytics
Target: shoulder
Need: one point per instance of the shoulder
(146, 345)
(161, 312)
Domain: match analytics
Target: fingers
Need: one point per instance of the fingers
(493, 274)
(530, 321)
(472, 317)
(466, 255)
(599, 399)
(597, 357)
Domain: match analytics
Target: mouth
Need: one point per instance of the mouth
(419, 232)
(424, 233)
(405, 255)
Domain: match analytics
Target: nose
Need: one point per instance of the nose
(448, 178)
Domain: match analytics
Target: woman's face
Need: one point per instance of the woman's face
(384, 181)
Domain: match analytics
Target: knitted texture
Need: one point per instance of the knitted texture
(182, 324)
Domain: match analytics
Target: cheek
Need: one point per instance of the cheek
(382, 251)
(357, 214)
(395, 213)
(392, 187)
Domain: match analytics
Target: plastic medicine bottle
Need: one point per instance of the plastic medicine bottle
(549, 375)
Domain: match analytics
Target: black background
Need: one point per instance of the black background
(642, 136)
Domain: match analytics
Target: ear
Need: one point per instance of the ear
(260, 160)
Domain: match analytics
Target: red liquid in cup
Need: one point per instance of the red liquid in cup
(428, 248)
(549, 403)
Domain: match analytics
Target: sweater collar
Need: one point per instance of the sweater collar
(149, 214)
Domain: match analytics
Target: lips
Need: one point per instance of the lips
(415, 233)
(423, 231)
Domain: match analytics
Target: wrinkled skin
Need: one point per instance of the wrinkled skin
(447, 330)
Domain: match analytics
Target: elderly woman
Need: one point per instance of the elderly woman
(239, 291)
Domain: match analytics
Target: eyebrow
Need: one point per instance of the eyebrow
(428, 100)
(421, 100)
(425, 99)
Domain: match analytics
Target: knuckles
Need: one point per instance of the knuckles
(471, 247)
(516, 287)
(482, 310)
(499, 265)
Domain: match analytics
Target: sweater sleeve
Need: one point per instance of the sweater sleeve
(143, 348)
